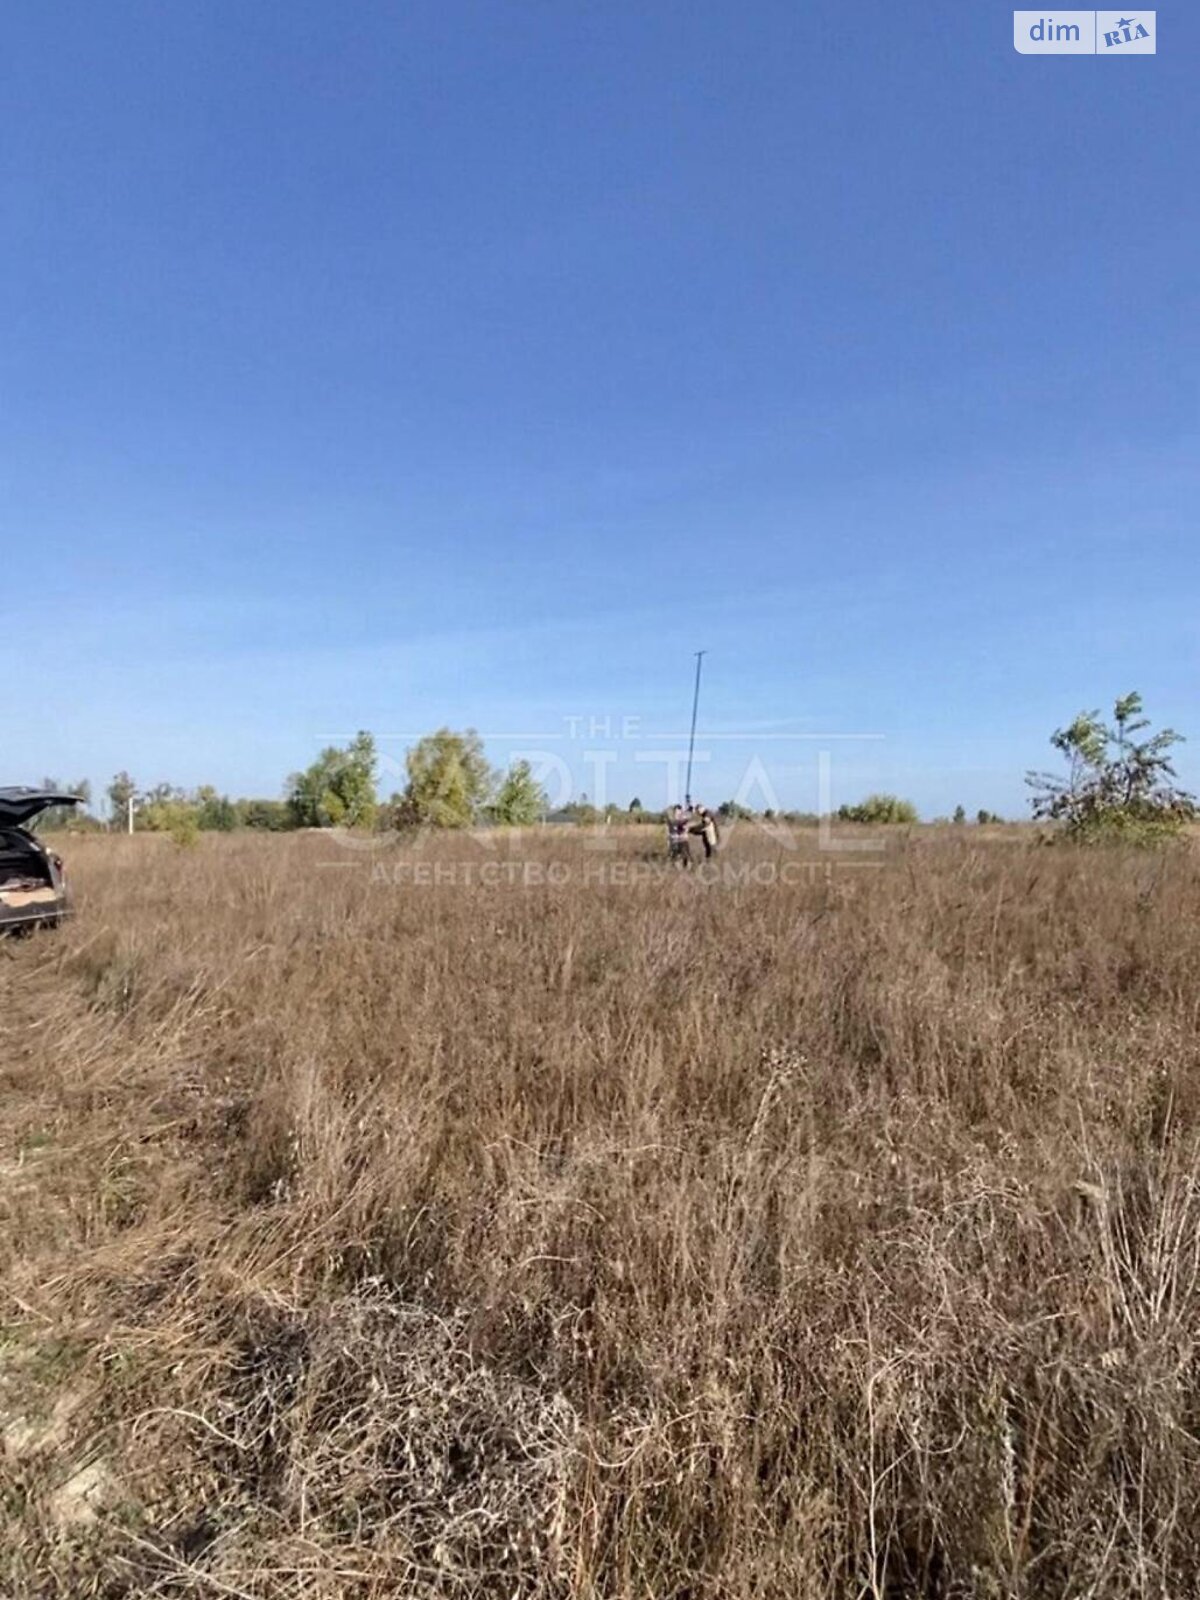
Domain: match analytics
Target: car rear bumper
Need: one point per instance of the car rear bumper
(37, 913)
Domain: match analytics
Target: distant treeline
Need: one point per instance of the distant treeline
(450, 785)
(165, 807)
(1120, 786)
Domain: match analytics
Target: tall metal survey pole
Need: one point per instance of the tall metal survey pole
(687, 788)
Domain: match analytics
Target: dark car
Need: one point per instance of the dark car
(33, 885)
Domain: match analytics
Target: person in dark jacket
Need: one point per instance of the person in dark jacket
(679, 849)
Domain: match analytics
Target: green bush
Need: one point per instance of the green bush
(879, 808)
(271, 816)
(1118, 789)
(179, 819)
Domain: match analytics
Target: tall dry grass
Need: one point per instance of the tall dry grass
(374, 1225)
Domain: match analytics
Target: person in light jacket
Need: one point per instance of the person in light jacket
(705, 824)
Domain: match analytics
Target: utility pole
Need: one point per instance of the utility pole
(129, 814)
(687, 788)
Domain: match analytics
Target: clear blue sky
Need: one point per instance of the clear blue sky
(389, 365)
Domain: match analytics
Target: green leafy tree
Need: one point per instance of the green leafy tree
(960, 815)
(449, 780)
(121, 791)
(163, 794)
(520, 800)
(983, 817)
(215, 813)
(338, 790)
(635, 807)
(879, 808)
(1118, 786)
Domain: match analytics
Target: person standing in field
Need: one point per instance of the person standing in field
(679, 849)
(706, 826)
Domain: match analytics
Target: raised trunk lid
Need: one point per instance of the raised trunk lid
(20, 805)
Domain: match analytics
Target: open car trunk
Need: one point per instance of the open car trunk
(32, 889)
(22, 864)
(26, 882)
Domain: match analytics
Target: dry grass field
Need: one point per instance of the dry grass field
(517, 1220)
